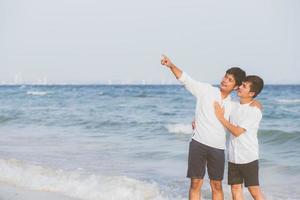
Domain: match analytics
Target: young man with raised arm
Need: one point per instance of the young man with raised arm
(208, 142)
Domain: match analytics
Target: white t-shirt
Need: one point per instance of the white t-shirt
(209, 130)
(244, 148)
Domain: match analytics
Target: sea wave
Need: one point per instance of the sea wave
(179, 128)
(77, 184)
(279, 137)
(4, 119)
(288, 101)
(37, 93)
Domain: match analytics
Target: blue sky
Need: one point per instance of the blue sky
(90, 41)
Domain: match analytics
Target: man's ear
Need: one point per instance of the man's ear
(252, 94)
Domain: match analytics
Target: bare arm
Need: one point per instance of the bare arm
(194, 87)
(234, 130)
(167, 62)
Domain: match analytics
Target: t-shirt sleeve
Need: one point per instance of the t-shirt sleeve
(252, 120)
(195, 87)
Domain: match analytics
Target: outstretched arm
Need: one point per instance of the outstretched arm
(235, 130)
(194, 87)
(167, 62)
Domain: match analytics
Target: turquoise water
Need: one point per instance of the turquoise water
(131, 139)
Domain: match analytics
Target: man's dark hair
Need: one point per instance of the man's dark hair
(256, 85)
(238, 74)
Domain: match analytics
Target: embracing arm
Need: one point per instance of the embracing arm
(234, 130)
(194, 124)
(257, 104)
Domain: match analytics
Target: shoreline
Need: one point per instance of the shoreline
(12, 192)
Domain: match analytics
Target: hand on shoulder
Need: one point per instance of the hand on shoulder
(257, 104)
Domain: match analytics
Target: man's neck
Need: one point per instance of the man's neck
(244, 100)
(224, 94)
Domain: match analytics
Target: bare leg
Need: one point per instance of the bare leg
(256, 193)
(217, 190)
(237, 192)
(195, 189)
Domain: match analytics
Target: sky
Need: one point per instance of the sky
(117, 41)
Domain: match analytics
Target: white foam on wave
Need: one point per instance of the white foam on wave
(180, 128)
(37, 93)
(77, 184)
(288, 101)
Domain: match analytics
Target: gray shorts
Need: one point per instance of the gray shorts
(243, 173)
(200, 156)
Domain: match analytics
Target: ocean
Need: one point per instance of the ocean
(119, 142)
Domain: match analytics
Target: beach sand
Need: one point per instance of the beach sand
(10, 192)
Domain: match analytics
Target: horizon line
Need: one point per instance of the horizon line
(117, 84)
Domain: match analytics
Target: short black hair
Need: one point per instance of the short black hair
(257, 84)
(238, 74)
